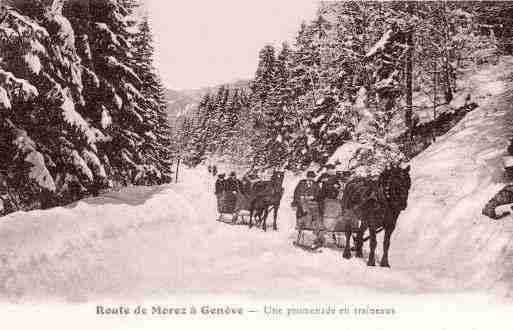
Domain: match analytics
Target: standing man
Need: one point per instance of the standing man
(245, 186)
(231, 189)
(329, 186)
(232, 183)
(219, 192)
(342, 179)
(306, 199)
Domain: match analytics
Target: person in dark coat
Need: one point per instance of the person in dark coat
(232, 183)
(306, 198)
(342, 179)
(219, 191)
(330, 186)
(214, 170)
(307, 189)
(245, 186)
(231, 189)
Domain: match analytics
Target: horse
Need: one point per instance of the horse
(266, 197)
(376, 203)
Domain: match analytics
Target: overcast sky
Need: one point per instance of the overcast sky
(208, 42)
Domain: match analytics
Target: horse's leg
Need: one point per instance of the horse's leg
(373, 244)
(347, 247)
(298, 239)
(251, 209)
(264, 218)
(258, 215)
(386, 244)
(275, 215)
(359, 240)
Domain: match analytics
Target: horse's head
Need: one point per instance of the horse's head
(396, 183)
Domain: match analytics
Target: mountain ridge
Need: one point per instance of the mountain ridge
(182, 102)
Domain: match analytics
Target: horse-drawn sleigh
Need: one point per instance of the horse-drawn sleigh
(262, 197)
(366, 204)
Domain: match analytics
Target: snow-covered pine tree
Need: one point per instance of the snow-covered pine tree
(105, 31)
(260, 87)
(280, 118)
(313, 79)
(52, 143)
(157, 142)
(72, 116)
(380, 103)
(202, 135)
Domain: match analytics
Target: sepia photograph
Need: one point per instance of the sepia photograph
(256, 163)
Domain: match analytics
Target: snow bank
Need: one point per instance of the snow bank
(45, 251)
(442, 230)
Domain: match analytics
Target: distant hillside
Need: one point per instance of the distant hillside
(181, 103)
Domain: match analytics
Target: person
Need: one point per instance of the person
(231, 190)
(214, 170)
(219, 192)
(342, 179)
(209, 168)
(329, 189)
(306, 199)
(245, 186)
(243, 198)
(232, 183)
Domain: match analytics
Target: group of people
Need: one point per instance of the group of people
(311, 194)
(228, 189)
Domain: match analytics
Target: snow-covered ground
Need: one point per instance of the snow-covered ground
(163, 244)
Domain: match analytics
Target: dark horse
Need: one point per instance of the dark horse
(266, 195)
(376, 203)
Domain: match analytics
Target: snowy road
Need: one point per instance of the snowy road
(134, 243)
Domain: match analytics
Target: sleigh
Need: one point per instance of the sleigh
(334, 223)
(233, 208)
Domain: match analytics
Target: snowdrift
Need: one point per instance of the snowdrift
(442, 232)
(50, 251)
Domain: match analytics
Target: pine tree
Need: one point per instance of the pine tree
(73, 118)
(157, 144)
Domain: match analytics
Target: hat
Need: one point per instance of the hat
(221, 176)
(330, 167)
(232, 173)
(310, 174)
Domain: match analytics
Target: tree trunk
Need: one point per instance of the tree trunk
(177, 168)
(408, 114)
